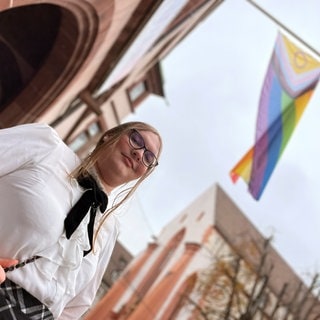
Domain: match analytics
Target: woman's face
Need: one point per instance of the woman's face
(125, 163)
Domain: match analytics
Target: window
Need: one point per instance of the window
(94, 129)
(137, 91)
(84, 137)
(79, 141)
(115, 274)
(122, 263)
(183, 218)
(200, 216)
(150, 83)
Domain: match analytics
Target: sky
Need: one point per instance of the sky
(212, 81)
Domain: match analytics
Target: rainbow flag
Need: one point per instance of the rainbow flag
(288, 86)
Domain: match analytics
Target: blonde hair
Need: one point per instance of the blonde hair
(107, 143)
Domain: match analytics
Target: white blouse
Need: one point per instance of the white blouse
(36, 194)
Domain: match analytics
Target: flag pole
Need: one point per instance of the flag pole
(281, 25)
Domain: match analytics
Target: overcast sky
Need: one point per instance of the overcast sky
(212, 82)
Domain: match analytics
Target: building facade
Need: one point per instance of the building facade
(119, 260)
(161, 282)
(83, 65)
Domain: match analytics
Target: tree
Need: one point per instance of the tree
(238, 286)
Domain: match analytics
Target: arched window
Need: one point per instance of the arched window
(42, 47)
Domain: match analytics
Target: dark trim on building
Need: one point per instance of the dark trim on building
(138, 20)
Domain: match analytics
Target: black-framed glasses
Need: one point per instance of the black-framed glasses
(137, 142)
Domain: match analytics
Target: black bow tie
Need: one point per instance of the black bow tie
(92, 198)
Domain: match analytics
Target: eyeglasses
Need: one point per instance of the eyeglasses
(137, 142)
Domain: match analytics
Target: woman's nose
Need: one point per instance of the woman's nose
(137, 154)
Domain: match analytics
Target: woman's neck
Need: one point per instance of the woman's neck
(94, 172)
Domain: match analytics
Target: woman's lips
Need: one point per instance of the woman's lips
(128, 161)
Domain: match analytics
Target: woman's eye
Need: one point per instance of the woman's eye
(137, 141)
(149, 157)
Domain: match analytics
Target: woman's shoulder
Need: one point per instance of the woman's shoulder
(39, 129)
(30, 130)
(30, 139)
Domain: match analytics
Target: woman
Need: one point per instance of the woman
(49, 201)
